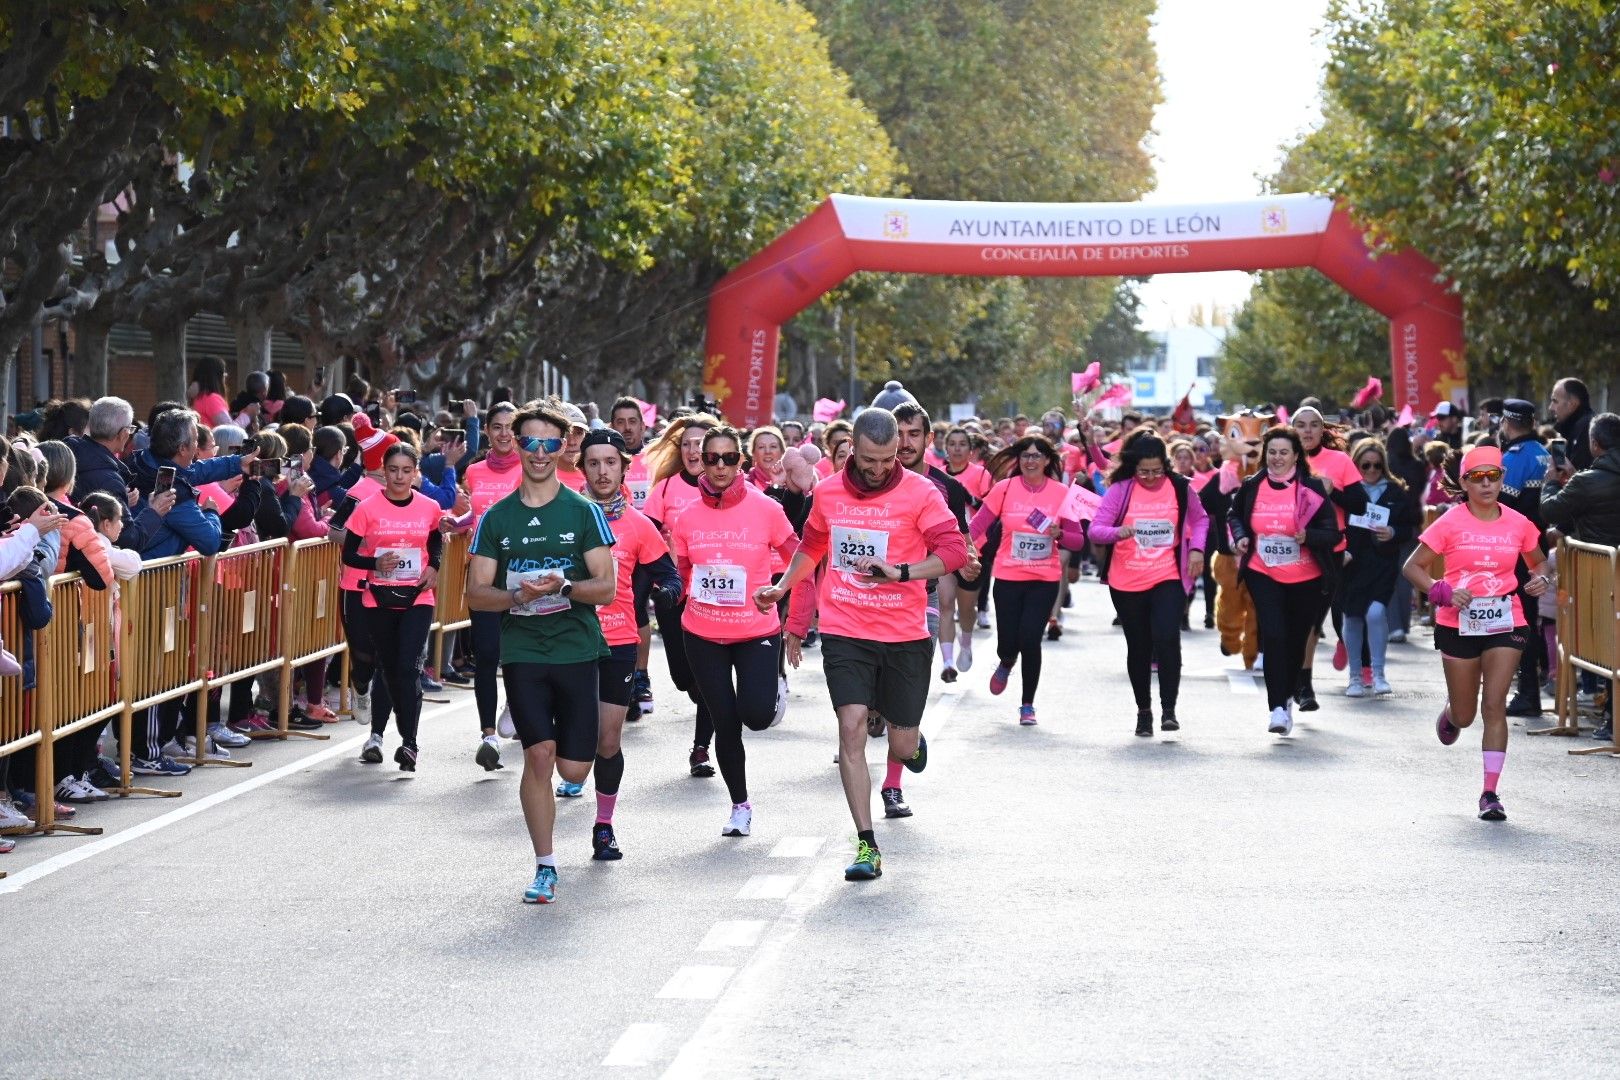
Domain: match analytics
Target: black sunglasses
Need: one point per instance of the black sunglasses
(730, 457)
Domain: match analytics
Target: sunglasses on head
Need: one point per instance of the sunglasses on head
(1489, 474)
(535, 444)
(730, 457)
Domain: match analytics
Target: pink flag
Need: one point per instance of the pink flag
(1119, 394)
(1405, 419)
(1282, 414)
(1080, 505)
(1368, 394)
(1087, 379)
(826, 410)
(649, 412)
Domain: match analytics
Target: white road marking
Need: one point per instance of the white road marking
(637, 1047)
(697, 982)
(732, 934)
(16, 881)
(767, 887)
(797, 847)
(1242, 683)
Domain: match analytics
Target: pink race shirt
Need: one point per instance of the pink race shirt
(1481, 556)
(1027, 552)
(891, 526)
(403, 530)
(732, 551)
(1274, 523)
(976, 478)
(1337, 467)
(668, 498)
(574, 481)
(638, 543)
(486, 487)
(638, 480)
(1150, 556)
(353, 580)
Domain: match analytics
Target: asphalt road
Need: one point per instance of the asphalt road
(1069, 900)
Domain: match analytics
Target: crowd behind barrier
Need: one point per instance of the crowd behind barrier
(1588, 630)
(186, 626)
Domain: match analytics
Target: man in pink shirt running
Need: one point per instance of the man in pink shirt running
(884, 531)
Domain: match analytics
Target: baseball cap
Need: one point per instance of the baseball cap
(1446, 408)
(604, 437)
(576, 416)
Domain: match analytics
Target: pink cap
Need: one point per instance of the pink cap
(1480, 457)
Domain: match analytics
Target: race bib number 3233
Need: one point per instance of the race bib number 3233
(851, 545)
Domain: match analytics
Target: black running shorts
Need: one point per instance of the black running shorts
(889, 676)
(554, 703)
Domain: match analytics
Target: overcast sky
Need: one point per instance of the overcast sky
(1241, 78)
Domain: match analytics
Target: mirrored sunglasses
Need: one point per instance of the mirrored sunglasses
(535, 444)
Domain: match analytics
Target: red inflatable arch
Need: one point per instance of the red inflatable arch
(849, 233)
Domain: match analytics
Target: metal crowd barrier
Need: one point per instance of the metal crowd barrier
(1588, 634)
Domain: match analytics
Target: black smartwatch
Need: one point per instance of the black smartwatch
(567, 589)
(905, 571)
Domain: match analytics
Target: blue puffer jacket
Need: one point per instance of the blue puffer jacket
(187, 526)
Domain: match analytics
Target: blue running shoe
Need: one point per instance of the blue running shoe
(570, 791)
(429, 684)
(543, 889)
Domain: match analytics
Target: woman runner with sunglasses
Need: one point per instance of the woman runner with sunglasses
(726, 546)
(394, 537)
(1380, 521)
(1479, 626)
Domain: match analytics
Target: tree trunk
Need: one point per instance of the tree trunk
(90, 358)
(252, 346)
(169, 360)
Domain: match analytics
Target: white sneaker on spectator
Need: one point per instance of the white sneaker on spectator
(12, 818)
(361, 704)
(215, 751)
(72, 789)
(95, 793)
(221, 735)
(503, 723)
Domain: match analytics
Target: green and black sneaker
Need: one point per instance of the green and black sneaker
(868, 863)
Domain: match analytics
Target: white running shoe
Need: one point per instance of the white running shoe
(1355, 689)
(1282, 723)
(224, 736)
(964, 653)
(182, 747)
(1381, 686)
(360, 705)
(372, 752)
(95, 793)
(983, 621)
(72, 789)
(503, 723)
(742, 820)
(781, 700)
(12, 818)
(1259, 663)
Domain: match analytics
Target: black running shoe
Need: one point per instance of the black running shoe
(1053, 630)
(1524, 705)
(894, 803)
(947, 675)
(488, 755)
(919, 761)
(604, 846)
(405, 758)
(698, 760)
(1168, 722)
(641, 695)
(1144, 722)
(1305, 698)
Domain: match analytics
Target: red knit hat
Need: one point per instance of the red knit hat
(374, 444)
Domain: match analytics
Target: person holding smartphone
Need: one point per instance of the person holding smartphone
(393, 538)
(1028, 504)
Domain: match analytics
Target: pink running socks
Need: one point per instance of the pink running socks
(892, 777)
(604, 808)
(1493, 767)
